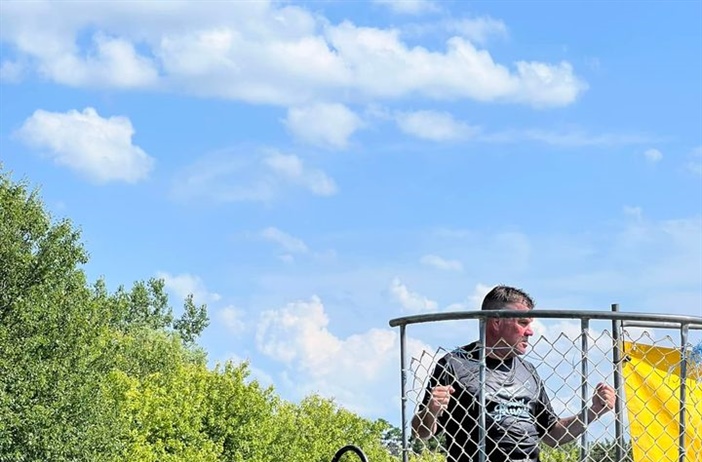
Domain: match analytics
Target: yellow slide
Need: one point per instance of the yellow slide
(652, 386)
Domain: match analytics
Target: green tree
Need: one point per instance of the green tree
(89, 375)
(62, 342)
(193, 321)
(606, 451)
(569, 452)
(49, 327)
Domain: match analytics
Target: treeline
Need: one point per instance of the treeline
(92, 375)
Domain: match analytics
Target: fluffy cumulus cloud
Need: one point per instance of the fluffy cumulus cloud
(244, 177)
(441, 263)
(358, 371)
(182, 285)
(322, 124)
(98, 148)
(265, 53)
(411, 301)
(434, 126)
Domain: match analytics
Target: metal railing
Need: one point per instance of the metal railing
(590, 346)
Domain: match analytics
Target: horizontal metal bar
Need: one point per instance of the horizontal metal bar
(660, 325)
(678, 320)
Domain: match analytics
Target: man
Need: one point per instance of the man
(518, 409)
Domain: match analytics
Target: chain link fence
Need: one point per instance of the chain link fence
(535, 406)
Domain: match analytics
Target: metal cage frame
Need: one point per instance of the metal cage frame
(619, 321)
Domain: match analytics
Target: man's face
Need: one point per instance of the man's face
(512, 334)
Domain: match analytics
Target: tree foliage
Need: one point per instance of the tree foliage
(92, 375)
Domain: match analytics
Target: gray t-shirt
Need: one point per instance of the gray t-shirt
(518, 410)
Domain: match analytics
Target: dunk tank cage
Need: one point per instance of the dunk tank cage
(648, 359)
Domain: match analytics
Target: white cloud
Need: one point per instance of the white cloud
(387, 68)
(325, 125)
(98, 148)
(441, 263)
(268, 53)
(291, 167)
(285, 240)
(411, 301)
(355, 370)
(477, 30)
(242, 177)
(233, 319)
(653, 155)
(409, 6)
(434, 125)
(299, 330)
(185, 284)
(113, 62)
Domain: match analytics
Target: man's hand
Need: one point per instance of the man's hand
(603, 399)
(424, 423)
(439, 400)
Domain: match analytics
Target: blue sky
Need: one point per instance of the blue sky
(311, 170)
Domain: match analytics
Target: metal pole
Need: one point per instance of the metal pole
(585, 333)
(481, 394)
(684, 328)
(403, 380)
(617, 363)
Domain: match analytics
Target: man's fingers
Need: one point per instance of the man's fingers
(604, 396)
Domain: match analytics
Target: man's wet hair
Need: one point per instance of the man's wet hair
(502, 295)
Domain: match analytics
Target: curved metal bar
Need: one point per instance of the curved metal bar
(352, 448)
(549, 314)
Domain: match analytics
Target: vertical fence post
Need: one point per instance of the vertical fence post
(683, 388)
(481, 394)
(584, 334)
(403, 390)
(617, 363)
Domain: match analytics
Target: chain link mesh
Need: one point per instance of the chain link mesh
(649, 412)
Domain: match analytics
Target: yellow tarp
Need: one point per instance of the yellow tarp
(652, 387)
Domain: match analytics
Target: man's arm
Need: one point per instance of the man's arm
(425, 421)
(567, 429)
